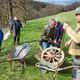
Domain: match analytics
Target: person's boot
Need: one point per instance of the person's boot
(13, 43)
(0, 50)
(18, 44)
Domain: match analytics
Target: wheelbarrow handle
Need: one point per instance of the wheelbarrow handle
(5, 61)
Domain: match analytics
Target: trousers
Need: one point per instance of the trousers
(46, 45)
(76, 71)
(18, 37)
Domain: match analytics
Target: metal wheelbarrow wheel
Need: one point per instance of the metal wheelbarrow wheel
(51, 55)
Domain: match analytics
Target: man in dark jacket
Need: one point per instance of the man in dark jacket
(15, 28)
(1, 38)
(48, 34)
(60, 31)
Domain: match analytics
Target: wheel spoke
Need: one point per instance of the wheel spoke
(50, 59)
(46, 58)
(45, 55)
(52, 55)
(53, 60)
(57, 52)
(56, 58)
(52, 52)
(57, 55)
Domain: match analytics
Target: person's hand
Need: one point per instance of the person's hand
(10, 31)
(59, 40)
(49, 40)
(21, 28)
(67, 43)
(55, 42)
(66, 26)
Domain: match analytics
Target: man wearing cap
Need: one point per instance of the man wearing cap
(60, 31)
(75, 44)
(48, 34)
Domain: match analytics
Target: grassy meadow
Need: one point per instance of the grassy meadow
(30, 34)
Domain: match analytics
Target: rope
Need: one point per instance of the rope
(19, 50)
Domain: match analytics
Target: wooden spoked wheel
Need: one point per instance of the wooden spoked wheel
(52, 55)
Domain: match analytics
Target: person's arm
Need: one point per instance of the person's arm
(43, 32)
(73, 35)
(68, 42)
(55, 35)
(2, 33)
(11, 27)
(20, 25)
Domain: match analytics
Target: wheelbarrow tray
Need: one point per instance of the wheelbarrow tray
(45, 63)
(10, 57)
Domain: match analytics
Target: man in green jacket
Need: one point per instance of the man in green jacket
(75, 44)
(48, 34)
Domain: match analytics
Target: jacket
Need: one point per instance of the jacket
(75, 43)
(60, 31)
(13, 26)
(1, 35)
(45, 32)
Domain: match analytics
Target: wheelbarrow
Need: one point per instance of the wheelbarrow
(18, 53)
(51, 59)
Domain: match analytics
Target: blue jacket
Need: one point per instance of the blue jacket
(60, 31)
(1, 35)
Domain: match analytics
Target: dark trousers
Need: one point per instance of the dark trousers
(18, 37)
(76, 71)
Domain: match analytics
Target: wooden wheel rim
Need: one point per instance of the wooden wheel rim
(51, 55)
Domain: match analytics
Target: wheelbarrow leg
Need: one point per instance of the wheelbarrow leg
(10, 65)
(25, 63)
(13, 65)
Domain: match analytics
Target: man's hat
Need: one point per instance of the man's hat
(77, 11)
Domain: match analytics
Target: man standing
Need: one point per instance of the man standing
(75, 44)
(48, 34)
(60, 31)
(15, 28)
(1, 38)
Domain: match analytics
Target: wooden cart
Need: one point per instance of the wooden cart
(21, 52)
(49, 60)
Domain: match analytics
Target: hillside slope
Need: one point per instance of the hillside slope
(31, 34)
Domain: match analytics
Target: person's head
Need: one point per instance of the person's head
(52, 22)
(15, 18)
(57, 21)
(77, 14)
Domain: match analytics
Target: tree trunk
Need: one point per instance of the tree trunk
(10, 12)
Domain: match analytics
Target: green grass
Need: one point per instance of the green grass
(5, 30)
(31, 34)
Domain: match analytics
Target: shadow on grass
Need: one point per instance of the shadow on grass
(66, 72)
